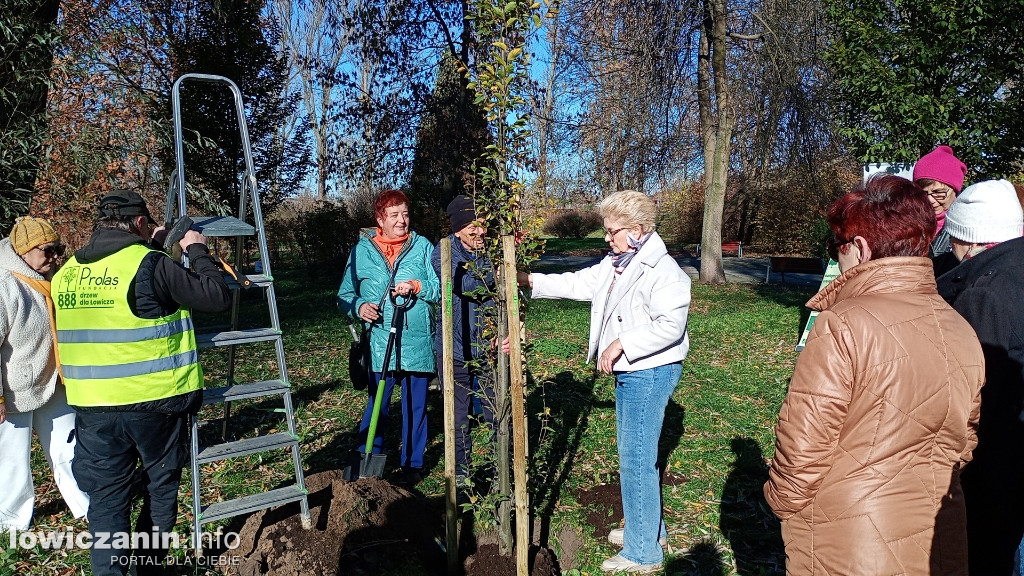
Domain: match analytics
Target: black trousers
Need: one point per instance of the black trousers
(464, 395)
(111, 445)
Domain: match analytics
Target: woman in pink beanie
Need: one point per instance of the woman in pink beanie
(941, 175)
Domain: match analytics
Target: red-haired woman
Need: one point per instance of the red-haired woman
(882, 410)
(365, 294)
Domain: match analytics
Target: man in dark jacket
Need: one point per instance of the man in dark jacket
(987, 289)
(131, 367)
(470, 271)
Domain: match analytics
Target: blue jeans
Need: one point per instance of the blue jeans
(414, 415)
(640, 401)
(1018, 560)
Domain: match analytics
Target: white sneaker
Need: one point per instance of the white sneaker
(617, 564)
(618, 536)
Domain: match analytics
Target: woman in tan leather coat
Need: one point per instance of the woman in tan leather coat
(882, 410)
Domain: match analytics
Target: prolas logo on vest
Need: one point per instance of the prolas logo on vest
(82, 287)
(103, 279)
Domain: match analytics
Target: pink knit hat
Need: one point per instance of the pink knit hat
(941, 165)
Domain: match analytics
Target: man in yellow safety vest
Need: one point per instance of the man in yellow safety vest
(131, 367)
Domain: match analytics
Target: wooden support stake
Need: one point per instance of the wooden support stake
(448, 380)
(517, 389)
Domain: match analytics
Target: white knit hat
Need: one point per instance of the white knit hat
(986, 212)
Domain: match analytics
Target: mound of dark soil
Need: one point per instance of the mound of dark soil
(488, 561)
(360, 528)
(603, 504)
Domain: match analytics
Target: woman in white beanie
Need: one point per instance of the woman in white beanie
(33, 395)
(985, 224)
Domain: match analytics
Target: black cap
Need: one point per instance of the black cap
(124, 203)
(461, 212)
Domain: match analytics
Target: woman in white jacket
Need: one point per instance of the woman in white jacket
(639, 302)
(33, 395)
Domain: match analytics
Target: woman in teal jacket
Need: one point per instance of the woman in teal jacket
(363, 288)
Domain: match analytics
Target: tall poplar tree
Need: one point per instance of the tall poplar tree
(447, 143)
(234, 40)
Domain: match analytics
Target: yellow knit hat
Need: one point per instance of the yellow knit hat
(29, 232)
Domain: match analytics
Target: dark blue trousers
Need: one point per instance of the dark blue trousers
(414, 415)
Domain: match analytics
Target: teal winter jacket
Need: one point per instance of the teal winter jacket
(366, 278)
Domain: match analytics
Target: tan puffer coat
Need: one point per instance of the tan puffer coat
(880, 416)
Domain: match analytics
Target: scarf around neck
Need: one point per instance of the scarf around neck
(622, 259)
(43, 287)
(390, 247)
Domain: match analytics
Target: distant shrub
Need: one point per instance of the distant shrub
(681, 213)
(573, 223)
(316, 233)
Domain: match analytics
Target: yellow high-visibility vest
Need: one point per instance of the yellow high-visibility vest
(110, 356)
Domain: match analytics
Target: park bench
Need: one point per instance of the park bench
(730, 247)
(794, 264)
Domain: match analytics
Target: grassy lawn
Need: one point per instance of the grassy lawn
(718, 430)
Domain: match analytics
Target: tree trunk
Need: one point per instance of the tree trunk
(716, 120)
(501, 414)
(369, 156)
(502, 384)
(544, 111)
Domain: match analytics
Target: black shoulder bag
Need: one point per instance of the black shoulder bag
(360, 356)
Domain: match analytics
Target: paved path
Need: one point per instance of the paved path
(740, 270)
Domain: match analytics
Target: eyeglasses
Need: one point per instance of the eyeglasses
(833, 245)
(612, 233)
(940, 195)
(52, 251)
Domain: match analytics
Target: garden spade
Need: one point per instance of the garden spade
(370, 465)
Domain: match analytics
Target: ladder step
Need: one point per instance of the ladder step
(243, 391)
(260, 280)
(237, 337)
(251, 503)
(246, 446)
(222, 226)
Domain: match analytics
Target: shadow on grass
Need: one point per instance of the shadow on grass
(702, 559)
(671, 432)
(754, 532)
(567, 423)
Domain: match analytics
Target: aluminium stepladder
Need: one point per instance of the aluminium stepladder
(238, 229)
